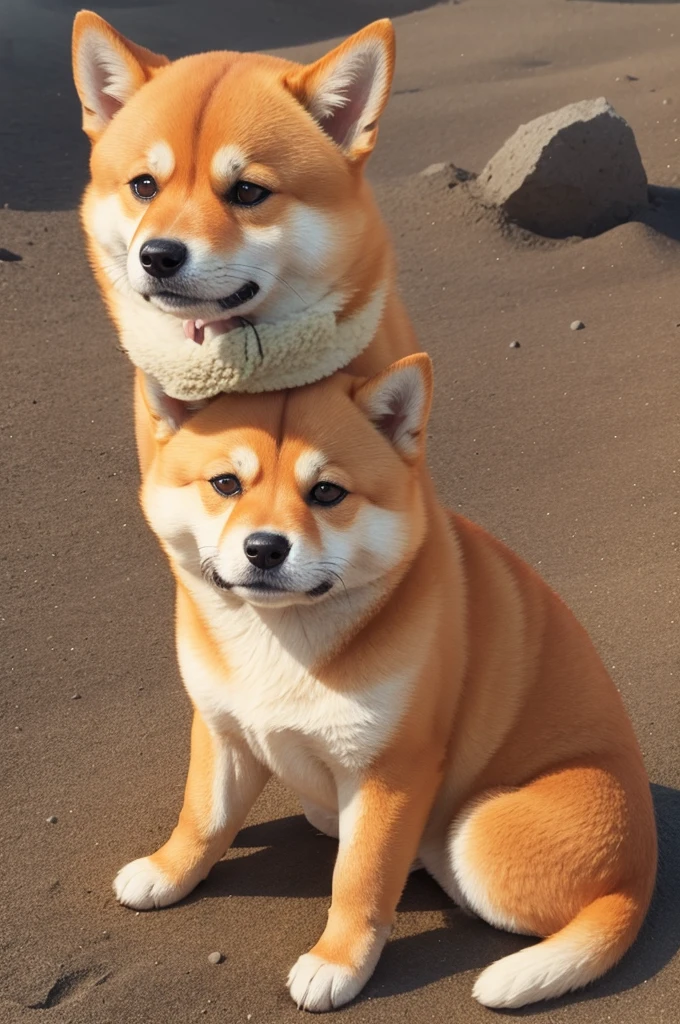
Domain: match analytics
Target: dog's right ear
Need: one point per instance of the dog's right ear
(397, 402)
(347, 90)
(108, 70)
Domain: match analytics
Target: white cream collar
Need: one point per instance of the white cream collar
(298, 351)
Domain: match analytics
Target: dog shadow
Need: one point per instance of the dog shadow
(289, 859)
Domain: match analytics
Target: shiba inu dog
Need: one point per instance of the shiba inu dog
(418, 686)
(228, 188)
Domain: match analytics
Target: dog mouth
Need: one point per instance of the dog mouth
(194, 329)
(261, 587)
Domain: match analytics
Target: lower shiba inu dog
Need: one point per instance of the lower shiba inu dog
(418, 686)
(228, 188)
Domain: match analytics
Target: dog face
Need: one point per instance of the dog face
(228, 184)
(299, 496)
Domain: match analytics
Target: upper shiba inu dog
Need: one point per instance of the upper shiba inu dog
(418, 686)
(229, 186)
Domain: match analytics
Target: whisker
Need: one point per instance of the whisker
(253, 328)
(342, 583)
(261, 270)
(331, 569)
(207, 569)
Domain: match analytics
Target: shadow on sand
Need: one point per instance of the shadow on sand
(663, 212)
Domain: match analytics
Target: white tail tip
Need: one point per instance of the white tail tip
(544, 971)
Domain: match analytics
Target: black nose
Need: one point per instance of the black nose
(266, 550)
(162, 257)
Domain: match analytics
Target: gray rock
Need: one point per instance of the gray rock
(215, 958)
(576, 171)
(576, 325)
(52, 820)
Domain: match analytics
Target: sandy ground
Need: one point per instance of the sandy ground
(567, 447)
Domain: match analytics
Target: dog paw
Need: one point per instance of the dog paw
(317, 985)
(143, 886)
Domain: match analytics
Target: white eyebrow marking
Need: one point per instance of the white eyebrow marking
(246, 462)
(308, 466)
(161, 159)
(227, 164)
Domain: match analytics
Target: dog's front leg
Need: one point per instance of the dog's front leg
(223, 783)
(382, 819)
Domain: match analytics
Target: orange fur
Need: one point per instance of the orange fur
(498, 749)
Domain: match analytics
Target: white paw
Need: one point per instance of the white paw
(143, 886)
(317, 985)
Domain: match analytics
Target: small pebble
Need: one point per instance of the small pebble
(577, 325)
(514, 344)
(76, 696)
(52, 820)
(216, 958)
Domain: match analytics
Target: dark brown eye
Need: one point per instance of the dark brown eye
(144, 186)
(245, 193)
(327, 494)
(227, 485)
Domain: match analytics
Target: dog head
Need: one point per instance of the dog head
(293, 497)
(227, 184)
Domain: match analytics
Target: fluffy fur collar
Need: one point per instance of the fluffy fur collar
(298, 351)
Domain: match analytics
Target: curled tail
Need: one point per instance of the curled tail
(582, 951)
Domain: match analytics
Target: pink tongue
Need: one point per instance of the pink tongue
(194, 330)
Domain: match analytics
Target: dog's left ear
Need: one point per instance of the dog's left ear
(168, 414)
(347, 90)
(108, 70)
(397, 402)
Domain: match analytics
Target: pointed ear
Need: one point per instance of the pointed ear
(398, 402)
(346, 91)
(108, 69)
(168, 414)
